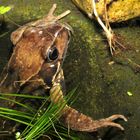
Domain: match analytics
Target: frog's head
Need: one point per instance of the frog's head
(37, 57)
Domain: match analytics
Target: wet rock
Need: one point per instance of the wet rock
(117, 10)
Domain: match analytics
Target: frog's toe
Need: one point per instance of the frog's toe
(109, 121)
(116, 116)
(112, 124)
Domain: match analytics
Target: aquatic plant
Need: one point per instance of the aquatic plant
(5, 9)
(37, 123)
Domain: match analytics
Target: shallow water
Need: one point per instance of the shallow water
(103, 87)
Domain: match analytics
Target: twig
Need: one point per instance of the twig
(51, 16)
(111, 38)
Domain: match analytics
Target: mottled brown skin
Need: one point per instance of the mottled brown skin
(30, 68)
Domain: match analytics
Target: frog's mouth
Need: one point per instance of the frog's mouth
(36, 60)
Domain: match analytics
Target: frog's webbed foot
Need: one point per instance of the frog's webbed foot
(80, 122)
(51, 16)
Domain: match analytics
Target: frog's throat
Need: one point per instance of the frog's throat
(57, 72)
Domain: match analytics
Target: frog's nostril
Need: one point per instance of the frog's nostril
(10, 70)
(97, 0)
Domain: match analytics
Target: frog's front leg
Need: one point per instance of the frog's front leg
(80, 122)
(76, 120)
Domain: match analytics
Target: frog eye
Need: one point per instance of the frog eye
(52, 54)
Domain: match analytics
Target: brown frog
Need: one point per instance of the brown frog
(36, 63)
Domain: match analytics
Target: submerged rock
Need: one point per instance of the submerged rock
(117, 10)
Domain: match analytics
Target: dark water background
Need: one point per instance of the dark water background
(102, 87)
